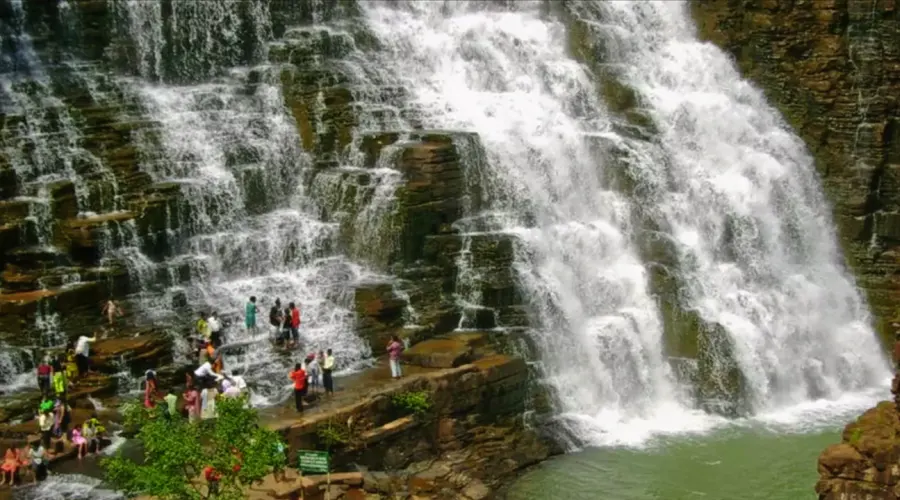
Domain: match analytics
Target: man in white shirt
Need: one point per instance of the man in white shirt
(327, 369)
(83, 352)
(45, 423)
(215, 329)
(204, 374)
(37, 455)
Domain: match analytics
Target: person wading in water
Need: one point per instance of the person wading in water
(286, 327)
(295, 324)
(276, 319)
(250, 311)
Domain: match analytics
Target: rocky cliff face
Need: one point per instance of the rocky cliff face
(833, 69)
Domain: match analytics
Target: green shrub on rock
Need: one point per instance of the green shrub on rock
(412, 402)
(177, 451)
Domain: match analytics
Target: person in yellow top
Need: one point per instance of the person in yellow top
(60, 381)
(203, 327)
(71, 366)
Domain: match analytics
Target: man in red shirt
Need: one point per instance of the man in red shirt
(295, 325)
(299, 378)
(212, 480)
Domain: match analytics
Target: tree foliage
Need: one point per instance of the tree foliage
(176, 452)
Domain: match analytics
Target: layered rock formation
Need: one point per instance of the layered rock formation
(470, 440)
(833, 69)
(866, 463)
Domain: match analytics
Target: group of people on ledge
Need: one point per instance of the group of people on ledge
(33, 458)
(56, 375)
(307, 373)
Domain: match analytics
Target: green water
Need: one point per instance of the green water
(732, 464)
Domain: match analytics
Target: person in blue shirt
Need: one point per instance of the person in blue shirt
(250, 314)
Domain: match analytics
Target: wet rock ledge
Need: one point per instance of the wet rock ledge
(470, 441)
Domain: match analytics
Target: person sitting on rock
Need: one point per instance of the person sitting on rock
(37, 460)
(80, 443)
(10, 465)
(91, 430)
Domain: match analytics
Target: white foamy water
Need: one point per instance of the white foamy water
(780, 291)
(740, 198)
(68, 487)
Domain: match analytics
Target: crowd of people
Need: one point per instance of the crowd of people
(204, 383)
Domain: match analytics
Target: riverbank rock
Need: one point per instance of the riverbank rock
(866, 464)
(468, 440)
(448, 351)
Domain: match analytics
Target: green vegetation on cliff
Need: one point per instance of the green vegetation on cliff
(176, 452)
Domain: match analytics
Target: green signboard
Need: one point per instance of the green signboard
(312, 461)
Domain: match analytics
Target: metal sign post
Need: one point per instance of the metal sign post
(316, 462)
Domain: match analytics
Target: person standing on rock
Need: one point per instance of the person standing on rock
(286, 327)
(83, 352)
(327, 369)
(394, 349)
(112, 310)
(276, 319)
(203, 327)
(295, 325)
(215, 329)
(312, 371)
(44, 373)
(250, 311)
(299, 378)
(60, 381)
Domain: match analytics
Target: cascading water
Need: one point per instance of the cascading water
(234, 153)
(506, 76)
(741, 201)
(777, 286)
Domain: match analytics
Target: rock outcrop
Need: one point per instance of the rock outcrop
(469, 440)
(833, 69)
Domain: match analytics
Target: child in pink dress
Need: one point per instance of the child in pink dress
(80, 443)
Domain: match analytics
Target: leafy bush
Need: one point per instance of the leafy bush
(176, 452)
(333, 435)
(414, 402)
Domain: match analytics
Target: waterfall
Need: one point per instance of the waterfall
(741, 201)
(506, 76)
(718, 179)
(246, 223)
